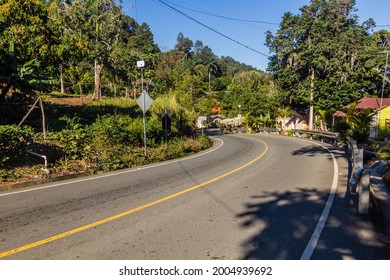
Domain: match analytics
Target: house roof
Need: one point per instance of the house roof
(372, 103)
(339, 114)
(217, 116)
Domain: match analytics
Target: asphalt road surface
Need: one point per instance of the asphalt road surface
(249, 197)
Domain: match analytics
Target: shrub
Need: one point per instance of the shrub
(182, 118)
(342, 127)
(73, 138)
(14, 142)
(384, 152)
(205, 142)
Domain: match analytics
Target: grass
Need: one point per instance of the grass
(101, 150)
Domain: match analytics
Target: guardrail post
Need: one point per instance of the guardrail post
(364, 193)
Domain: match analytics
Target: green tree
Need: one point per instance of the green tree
(24, 43)
(96, 26)
(251, 90)
(184, 45)
(318, 55)
(66, 48)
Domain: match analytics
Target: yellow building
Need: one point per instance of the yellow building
(384, 122)
(381, 112)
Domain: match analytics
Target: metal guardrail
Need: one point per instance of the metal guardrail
(359, 183)
(268, 130)
(322, 134)
(335, 136)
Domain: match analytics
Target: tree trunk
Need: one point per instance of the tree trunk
(209, 80)
(97, 93)
(62, 81)
(311, 113)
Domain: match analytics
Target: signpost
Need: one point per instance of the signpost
(202, 120)
(144, 101)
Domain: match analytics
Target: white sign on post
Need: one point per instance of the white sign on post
(140, 63)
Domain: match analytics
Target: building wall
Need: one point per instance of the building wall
(289, 124)
(384, 123)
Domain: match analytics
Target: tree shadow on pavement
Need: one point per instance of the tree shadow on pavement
(285, 222)
(315, 150)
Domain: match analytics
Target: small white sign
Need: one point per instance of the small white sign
(140, 63)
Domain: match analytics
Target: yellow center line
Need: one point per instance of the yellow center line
(131, 211)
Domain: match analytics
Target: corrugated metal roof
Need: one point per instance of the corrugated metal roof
(372, 103)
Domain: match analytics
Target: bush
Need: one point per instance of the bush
(73, 138)
(182, 119)
(384, 152)
(342, 127)
(14, 142)
(205, 142)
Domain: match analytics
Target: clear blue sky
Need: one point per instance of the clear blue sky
(166, 23)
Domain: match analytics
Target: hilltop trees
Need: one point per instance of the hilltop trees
(92, 46)
(323, 57)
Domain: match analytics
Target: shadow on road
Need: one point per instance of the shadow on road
(315, 150)
(287, 222)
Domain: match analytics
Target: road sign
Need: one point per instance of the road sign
(140, 63)
(166, 112)
(166, 124)
(144, 101)
(166, 119)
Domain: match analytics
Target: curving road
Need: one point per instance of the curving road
(249, 197)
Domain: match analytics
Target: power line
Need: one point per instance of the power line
(212, 29)
(224, 17)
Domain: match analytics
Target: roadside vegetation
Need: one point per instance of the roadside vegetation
(80, 57)
(95, 138)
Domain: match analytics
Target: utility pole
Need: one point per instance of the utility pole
(383, 88)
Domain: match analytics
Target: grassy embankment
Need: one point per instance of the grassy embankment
(92, 137)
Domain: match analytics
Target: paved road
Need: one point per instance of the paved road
(250, 197)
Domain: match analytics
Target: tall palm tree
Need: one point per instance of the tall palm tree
(213, 68)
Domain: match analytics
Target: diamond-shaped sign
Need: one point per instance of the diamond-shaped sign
(144, 101)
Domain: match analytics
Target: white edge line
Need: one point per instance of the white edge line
(311, 245)
(117, 172)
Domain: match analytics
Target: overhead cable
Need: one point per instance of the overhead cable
(224, 17)
(212, 29)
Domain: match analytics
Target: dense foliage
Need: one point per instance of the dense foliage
(325, 53)
(14, 142)
(92, 47)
